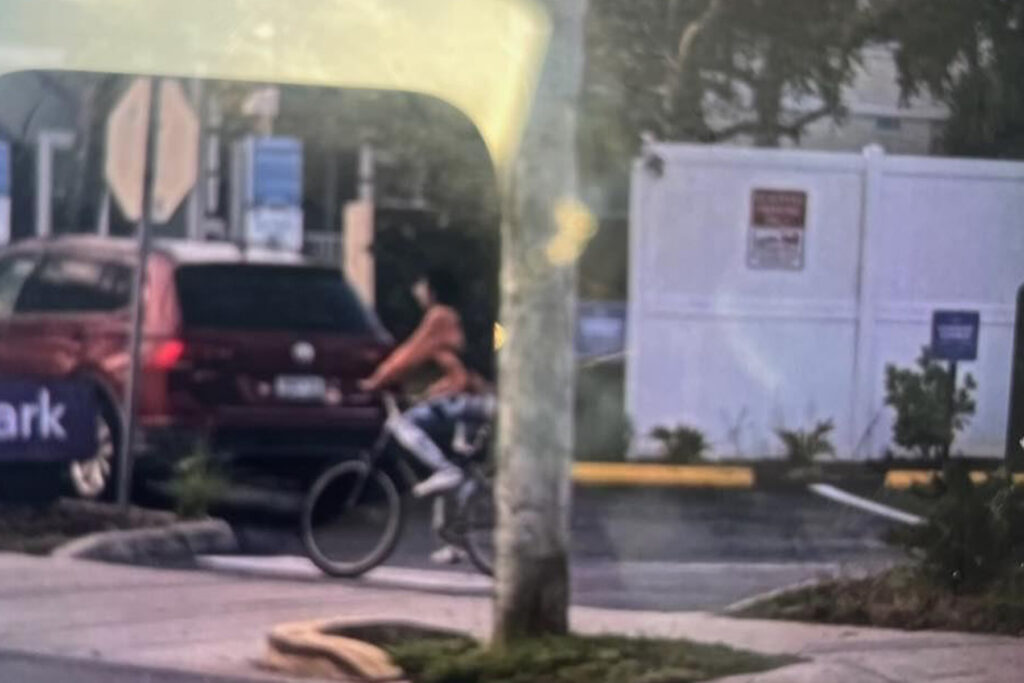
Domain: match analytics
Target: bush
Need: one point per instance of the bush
(197, 484)
(921, 400)
(975, 532)
(681, 445)
(803, 446)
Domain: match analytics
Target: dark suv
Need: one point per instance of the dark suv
(254, 353)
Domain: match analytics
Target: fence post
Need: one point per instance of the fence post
(863, 399)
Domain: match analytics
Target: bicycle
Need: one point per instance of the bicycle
(353, 515)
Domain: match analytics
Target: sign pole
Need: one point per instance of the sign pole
(138, 301)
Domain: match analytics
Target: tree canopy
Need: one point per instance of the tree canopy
(969, 54)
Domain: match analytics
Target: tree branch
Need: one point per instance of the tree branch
(792, 130)
(683, 51)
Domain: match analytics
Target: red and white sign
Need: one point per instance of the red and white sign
(778, 227)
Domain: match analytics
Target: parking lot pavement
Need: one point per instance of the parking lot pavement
(658, 549)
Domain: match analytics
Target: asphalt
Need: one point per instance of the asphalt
(20, 667)
(635, 548)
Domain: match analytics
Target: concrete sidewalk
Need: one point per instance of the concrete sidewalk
(217, 625)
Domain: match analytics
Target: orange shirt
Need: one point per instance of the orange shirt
(438, 339)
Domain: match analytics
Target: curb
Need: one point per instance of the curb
(651, 474)
(905, 479)
(174, 543)
(307, 649)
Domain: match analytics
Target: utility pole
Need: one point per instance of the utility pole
(537, 366)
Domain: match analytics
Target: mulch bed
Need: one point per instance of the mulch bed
(37, 531)
(904, 599)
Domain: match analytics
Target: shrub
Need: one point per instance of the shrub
(197, 484)
(920, 398)
(975, 532)
(803, 446)
(681, 444)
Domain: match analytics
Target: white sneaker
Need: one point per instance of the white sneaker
(439, 482)
(449, 554)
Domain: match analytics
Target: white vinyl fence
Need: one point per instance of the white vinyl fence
(770, 289)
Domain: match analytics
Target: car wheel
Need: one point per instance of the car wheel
(94, 478)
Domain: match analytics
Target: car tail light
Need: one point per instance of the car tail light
(167, 354)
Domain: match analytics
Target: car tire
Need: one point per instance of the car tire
(96, 478)
(36, 485)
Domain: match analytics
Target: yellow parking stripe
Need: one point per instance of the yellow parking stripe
(905, 479)
(638, 474)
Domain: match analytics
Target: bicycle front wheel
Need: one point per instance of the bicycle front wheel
(351, 519)
(480, 520)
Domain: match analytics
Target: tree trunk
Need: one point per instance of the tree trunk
(537, 361)
(768, 104)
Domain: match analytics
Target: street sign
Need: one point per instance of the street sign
(126, 148)
(270, 206)
(276, 172)
(955, 335)
(272, 227)
(5, 193)
(46, 420)
(177, 153)
(177, 156)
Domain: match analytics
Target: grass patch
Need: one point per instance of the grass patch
(903, 598)
(574, 659)
(37, 531)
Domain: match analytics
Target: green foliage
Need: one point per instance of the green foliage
(742, 60)
(573, 659)
(681, 444)
(975, 532)
(437, 197)
(804, 445)
(920, 398)
(968, 54)
(197, 484)
(902, 598)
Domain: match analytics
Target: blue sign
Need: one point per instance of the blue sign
(600, 328)
(955, 335)
(5, 169)
(276, 172)
(46, 421)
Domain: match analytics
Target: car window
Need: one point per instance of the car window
(262, 297)
(14, 270)
(65, 284)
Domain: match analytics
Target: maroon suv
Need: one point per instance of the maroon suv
(256, 354)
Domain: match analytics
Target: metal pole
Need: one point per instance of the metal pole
(366, 171)
(196, 202)
(138, 301)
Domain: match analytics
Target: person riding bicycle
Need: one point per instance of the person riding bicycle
(458, 397)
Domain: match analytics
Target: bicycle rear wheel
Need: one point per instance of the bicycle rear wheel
(479, 518)
(351, 519)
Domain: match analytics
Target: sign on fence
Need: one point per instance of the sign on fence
(778, 226)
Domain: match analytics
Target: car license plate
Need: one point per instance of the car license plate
(300, 387)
